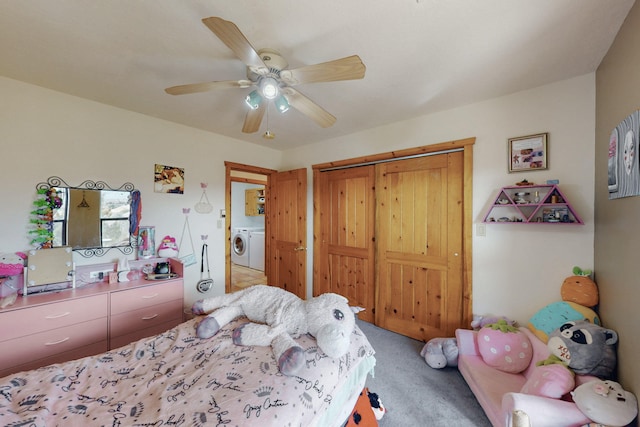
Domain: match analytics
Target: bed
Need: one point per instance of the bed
(176, 378)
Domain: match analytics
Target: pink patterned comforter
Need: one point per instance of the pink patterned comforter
(177, 379)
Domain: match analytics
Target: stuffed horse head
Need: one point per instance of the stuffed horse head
(331, 321)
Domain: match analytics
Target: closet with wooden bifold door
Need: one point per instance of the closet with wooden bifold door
(394, 237)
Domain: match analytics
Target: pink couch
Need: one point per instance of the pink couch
(499, 394)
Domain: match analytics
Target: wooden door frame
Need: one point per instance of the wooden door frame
(467, 233)
(239, 167)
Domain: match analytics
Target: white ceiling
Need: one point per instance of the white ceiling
(421, 56)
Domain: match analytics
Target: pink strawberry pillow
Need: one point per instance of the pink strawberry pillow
(504, 347)
(554, 380)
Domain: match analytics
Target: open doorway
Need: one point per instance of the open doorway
(246, 224)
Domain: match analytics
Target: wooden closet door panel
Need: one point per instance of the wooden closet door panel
(419, 245)
(344, 250)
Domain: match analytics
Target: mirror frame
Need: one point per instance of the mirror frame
(56, 181)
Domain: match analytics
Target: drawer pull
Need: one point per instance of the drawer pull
(149, 296)
(58, 342)
(57, 316)
(150, 317)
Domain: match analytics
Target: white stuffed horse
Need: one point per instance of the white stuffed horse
(279, 317)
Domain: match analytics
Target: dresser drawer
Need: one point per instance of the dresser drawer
(122, 340)
(45, 344)
(76, 353)
(31, 320)
(133, 299)
(146, 317)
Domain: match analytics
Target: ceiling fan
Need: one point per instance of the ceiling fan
(267, 71)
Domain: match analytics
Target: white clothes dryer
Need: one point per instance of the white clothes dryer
(256, 250)
(240, 247)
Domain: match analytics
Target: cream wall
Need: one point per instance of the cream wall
(45, 133)
(517, 268)
(617, 239)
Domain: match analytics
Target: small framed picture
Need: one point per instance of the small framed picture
(528, 153)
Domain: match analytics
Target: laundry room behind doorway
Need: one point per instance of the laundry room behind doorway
(247, 234)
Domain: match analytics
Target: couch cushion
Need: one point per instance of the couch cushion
(488, 384)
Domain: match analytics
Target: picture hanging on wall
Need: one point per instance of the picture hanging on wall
(168, 179)
(528, 153)
(623, 177)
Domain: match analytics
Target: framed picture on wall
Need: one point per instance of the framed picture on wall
(528, 153)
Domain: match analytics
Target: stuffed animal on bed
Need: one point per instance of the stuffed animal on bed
(277, 317)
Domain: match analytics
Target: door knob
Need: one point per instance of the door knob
(300, 248)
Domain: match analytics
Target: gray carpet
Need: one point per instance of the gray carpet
(414, 393)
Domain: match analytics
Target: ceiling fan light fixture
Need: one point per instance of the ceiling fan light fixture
(269, 87)
(269, 135)
(253, 100)
(281, 104)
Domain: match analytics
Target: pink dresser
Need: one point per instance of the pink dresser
(42, 329)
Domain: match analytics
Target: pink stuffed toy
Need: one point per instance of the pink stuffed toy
(11, 264)
(168, 247)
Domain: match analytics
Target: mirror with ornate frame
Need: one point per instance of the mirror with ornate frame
(94, 217)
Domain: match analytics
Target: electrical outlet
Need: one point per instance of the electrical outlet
(100, 275)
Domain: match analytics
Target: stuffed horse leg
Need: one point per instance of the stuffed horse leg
(289, 355)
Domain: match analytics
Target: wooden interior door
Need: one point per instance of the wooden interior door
(287, 228)
(344, 248)
(419, 232)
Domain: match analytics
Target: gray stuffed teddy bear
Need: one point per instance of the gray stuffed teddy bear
(277, 317)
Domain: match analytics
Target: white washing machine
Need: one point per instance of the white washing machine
(256, 250)
(240, 246)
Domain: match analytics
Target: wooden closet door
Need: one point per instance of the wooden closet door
(344, 248)
(420, 245)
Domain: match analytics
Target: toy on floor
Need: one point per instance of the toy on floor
(367, 411)
(277, 317)
(440, 352)
(606, 402)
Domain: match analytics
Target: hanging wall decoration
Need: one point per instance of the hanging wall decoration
(168, 179)
(187, 258)
(42, 217)
(203, 206)
(528, 153)
(623, 178)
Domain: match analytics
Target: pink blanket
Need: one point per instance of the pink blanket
(178, 379)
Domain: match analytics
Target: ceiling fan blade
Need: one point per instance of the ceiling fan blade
(204, 87)
(231, 35)
(309, 108)
(348, 68)
(254, 118)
